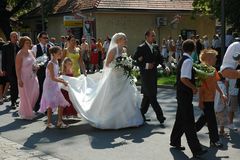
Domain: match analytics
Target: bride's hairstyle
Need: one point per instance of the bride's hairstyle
(113, 43)
(114, 40)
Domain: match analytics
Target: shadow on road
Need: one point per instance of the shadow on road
(6, 110)
(114, 138)
(177, 155)
(55, 135)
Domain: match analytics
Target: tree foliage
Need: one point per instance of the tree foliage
(14, 8)
(213, 7)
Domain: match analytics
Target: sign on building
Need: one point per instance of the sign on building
(71, 21)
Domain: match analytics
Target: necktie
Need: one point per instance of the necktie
(44, 49)
(151, 48)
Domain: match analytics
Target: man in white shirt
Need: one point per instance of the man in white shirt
(230, 63)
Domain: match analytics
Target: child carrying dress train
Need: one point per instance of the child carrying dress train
(52, 97)
(67, 70)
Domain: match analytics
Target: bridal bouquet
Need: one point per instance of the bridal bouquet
(203, 72)
(40, 61)
(125, 63)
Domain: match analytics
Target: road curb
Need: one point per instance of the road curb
(161, 86)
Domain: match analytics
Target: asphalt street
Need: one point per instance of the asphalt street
(83, 142)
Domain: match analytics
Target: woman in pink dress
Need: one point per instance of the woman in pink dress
(52, 97)
(27, 80)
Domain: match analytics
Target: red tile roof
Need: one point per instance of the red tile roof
(135, 4)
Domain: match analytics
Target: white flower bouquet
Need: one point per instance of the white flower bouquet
(125, 63)
(40, 61)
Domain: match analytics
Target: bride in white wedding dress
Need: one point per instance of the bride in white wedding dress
(111, 102)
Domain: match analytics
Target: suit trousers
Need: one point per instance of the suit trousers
(146, 101)
(13, 88)
(209, 117)
(41, 78)
(184, 123)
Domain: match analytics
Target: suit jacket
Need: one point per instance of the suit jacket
(8, 58)
(148, 76)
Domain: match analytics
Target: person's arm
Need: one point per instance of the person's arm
(138, 57)
(222, 95)
(110, 57)
(160, 60)
(186, 75)
(189, 84)
(50, 67)
(231, 73)
(18, 69)
(81, 64)
(64, 54)
(34, 50)
(4, 59)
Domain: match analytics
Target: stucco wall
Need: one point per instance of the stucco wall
(135, 25)
(55, 27)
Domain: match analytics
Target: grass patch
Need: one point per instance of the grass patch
(167, 80)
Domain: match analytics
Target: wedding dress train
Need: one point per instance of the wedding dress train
(110, 102)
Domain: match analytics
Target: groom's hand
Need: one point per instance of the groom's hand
(140, 59)
(151, 65)
(167, 70)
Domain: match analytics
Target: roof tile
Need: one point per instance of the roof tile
(136, 4)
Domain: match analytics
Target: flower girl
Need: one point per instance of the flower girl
(52, 97)
(67, 70)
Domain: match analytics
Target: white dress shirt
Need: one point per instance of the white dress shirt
(34, 49)
(186, 70)
(228, 61)
(150, 46)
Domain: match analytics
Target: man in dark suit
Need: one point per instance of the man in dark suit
(9, 52)
(41, 48)
(148, 57)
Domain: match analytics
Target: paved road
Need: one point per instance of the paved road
(83, 142)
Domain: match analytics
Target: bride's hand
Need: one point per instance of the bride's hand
(85, 73)
(65, 83)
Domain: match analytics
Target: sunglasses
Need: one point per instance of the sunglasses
(45, 37)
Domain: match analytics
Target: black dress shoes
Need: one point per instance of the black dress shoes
(199, 153)
(180, 148)
(216, 144)
(13, 106)
(145, 119)
(162, 119)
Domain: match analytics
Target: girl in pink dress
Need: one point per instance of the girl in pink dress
(52, 97)
(27, 81)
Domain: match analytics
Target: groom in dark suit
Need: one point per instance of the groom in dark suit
(148, 57)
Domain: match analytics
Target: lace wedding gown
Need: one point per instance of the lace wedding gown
(109, 103)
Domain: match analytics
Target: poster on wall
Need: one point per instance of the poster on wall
(88, 29)
(73, 26)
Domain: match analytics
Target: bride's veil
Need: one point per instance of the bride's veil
(113, 45)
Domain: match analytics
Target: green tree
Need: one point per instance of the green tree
(213, 7)
(15, 8)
